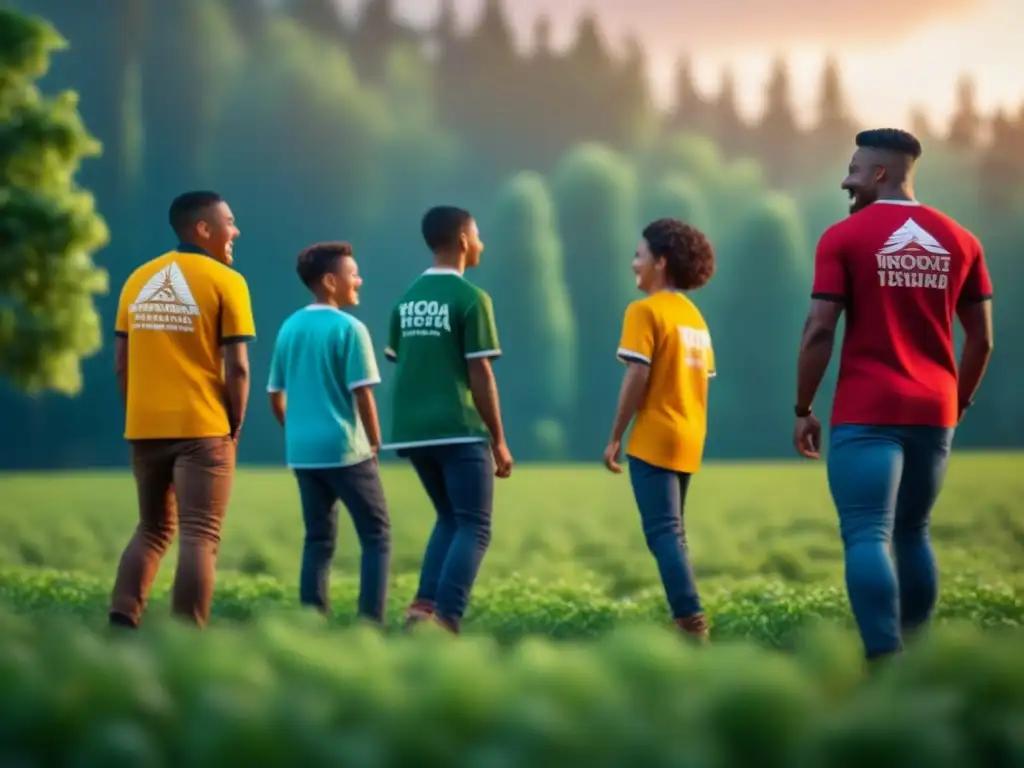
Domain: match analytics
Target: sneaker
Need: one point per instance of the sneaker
(695, 628)
(417, 613)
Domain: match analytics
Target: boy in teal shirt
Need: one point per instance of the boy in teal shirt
(446, 416)
(322, 376)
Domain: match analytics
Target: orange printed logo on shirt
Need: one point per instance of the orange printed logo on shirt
(177, 311)
(667, 332)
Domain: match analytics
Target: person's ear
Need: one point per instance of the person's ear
(330, 282)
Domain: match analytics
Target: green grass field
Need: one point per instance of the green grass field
(269, 685)
(567, 559)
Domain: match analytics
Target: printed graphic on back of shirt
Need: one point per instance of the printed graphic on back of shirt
(165, 303)
(424, 318)
(913, 258)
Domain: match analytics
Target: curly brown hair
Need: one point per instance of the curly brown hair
(689, 257)
(318, 259)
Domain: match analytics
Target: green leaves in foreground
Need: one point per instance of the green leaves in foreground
(297, 694)
(769, 613)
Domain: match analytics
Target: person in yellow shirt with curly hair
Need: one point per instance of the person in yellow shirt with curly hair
(667, 350)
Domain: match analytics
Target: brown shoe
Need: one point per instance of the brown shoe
(417, 613)
(695, 628)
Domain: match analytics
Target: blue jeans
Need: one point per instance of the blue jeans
(661, 497)
(459, 479)
(885, 481)
(360, 490)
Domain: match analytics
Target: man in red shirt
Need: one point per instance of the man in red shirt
(901, 271)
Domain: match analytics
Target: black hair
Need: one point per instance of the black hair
(890, 140)
(187, 208)
(320, 259)
(442, 225)
(689, 257)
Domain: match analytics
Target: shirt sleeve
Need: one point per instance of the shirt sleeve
(276, 381)
(712, 368)
(830, 283)
(123, 321)
(236, 321)
(360, 363)
(978, 285)
(636, 345)
(394, 335)
(479, 331)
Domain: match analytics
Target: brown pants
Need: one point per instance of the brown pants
(181, 484)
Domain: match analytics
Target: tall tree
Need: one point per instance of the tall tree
(756, 338)
(1002, 166)
(835, 126)
(538, 327)
(322, 17)
(730, 130)
(779, 132)
(966, 123)
(691, 111)
(635, 116)
(48, 226)
(377, 31)
(182, 105)
(595, 194)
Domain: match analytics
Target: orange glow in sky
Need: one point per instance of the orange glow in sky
(894, 54)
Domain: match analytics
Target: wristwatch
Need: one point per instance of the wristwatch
(801, 413)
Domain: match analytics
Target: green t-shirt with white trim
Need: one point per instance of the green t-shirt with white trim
(441, 321)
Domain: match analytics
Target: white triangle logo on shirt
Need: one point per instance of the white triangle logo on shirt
(909, 234)
(167, 286)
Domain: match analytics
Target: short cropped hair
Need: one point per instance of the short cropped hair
(320, 259)
(890, 140)
(187, 209)
(442, 225)
(689, 257)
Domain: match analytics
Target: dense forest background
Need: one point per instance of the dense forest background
(316, 127)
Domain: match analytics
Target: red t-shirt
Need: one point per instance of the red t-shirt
(901, 269)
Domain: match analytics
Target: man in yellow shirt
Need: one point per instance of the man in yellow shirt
(666, 347)
(183, 322)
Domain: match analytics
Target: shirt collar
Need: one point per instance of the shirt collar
(443, 271)
(189, 248)
(910, 203)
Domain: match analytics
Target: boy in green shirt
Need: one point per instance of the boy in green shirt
(445, 416)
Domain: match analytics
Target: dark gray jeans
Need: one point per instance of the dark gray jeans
(359, 489)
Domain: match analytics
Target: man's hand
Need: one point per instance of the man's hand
(612, 455)
(502, 459)
(807, 436)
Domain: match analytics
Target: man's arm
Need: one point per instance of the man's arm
(484, 388)
(976, 318)
(236, 379)
(816, 349)
(121, 365)
(631, 394)
(278, 405)
(366, 404)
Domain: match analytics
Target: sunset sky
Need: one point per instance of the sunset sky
(895, 54)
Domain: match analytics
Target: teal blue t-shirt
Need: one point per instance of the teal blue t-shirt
(321, 356)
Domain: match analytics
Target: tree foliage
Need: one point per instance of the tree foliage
(48, 226)
(759, 331)
(596, 198)
(537, 323)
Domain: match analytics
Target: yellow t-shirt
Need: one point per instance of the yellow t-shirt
(667, 332)
(177, 311)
